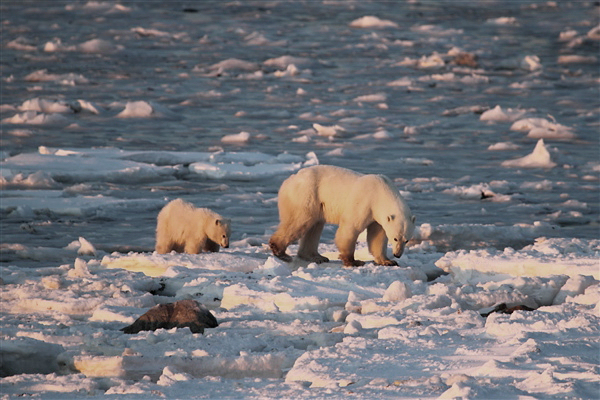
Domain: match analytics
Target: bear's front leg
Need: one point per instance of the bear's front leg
(377, 241)
(279, 251)
(345, 240)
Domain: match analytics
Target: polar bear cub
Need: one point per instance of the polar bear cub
(184, 228)
(326, 194)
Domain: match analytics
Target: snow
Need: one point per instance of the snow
(484, 116)
(267, 314)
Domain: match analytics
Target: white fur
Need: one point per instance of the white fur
(184, 228)
(355, 202)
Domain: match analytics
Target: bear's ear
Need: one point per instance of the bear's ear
(218, 222)
(391, 217)
(413, 219)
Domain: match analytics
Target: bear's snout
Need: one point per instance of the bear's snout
(398, 250)
(225, 243)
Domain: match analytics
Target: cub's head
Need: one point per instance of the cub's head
(220, 231)
(399, 230)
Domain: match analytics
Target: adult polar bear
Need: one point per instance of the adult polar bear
(327, 194)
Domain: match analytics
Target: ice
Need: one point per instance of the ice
(542, 128)
(150, 32)
(284, 62)
(497, 114)
(21, 44)
(241, 137)
(96, 46)
(576, 59)
(35, 118)
(142, 109)
(75, 168)
(371, 98)
(238, 171)
(503, 146)
(544, 258)
(370, 21)
(69, 79)
(502, 21)
(235, 64)
(29, 356)
(469, 235)
(45, 106)
(92, 46)
(539, 158)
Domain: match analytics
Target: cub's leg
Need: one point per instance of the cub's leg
(211, 246)
(345, 240)
(309, 244)
(178, 247)
(163, 243)
(377, 241)
(163, 248)
(194, 247)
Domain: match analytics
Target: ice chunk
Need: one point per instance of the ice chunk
(503, 146)
(502, 21)
(497, 114)
(539, 158)
(397, 291)
(242, 137)
(136, 109)
(46, 106)
(35, 118)
(542, 128)
(323, 130)
(370, 98)
(369, 21)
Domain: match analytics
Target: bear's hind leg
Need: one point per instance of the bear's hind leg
(309, 244)
(345, 240)
(288, 232)
(377, 241)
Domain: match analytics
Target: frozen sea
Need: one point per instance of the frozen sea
(484, 114)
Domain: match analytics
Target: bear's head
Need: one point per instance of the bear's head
(399, 230)
(220, 231)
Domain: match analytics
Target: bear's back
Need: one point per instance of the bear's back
(180, 208)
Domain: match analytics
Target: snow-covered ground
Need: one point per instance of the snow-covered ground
(484, 114)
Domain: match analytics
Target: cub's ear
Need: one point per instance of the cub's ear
(218, 222)
(413, 219)
(391, 217)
